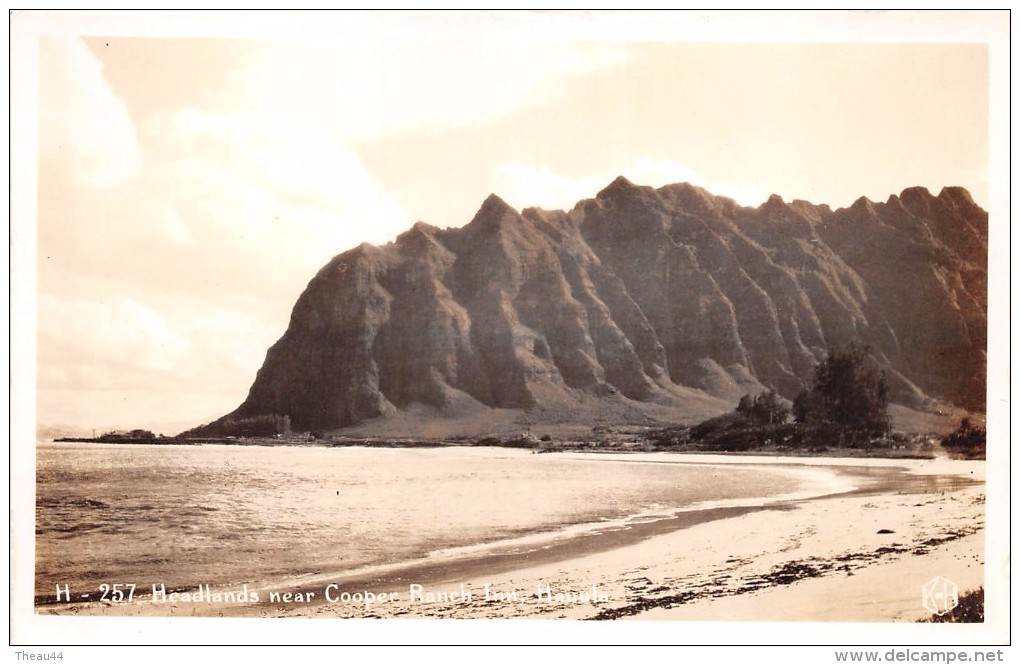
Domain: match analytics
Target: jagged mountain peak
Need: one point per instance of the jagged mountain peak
(619, 185)
(692, 198)
(918, 200)
(958, 197)
(638, 302)
(917, 191)
(775, 205)
(811, 212)
(863, 205)
(493, 214)
(622, 193)
(420, 230)
(420, 238)
(364, 252)
(425, 228)
(493, 205)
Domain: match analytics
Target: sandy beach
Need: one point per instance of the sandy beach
(859, 555)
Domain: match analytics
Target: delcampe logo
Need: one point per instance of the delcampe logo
(940, 596)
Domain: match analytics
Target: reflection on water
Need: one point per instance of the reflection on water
(188, 515)
(871, 479)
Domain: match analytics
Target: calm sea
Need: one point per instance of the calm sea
(227, 515)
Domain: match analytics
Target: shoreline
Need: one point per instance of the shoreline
(517, 576)
(552, 542)
(563, 448)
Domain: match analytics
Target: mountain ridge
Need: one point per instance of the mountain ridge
(639, 298)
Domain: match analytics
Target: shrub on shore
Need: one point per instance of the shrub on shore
(967, 441)
(846, 407)
(767, 408)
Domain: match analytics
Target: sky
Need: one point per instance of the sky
(188, 188)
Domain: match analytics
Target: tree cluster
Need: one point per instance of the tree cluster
(849, 394)
(967, 441)
(264, 425)
(766, 408)
(132, 435)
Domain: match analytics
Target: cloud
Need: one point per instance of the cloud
(367, 88)
(659, 172)
(176, 229)
(193, 359)
(221, 198)
(171, 249)
(259, 184)
(75, 333)
(85, 130)
(523, 185)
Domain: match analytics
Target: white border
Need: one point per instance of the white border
(744, 26)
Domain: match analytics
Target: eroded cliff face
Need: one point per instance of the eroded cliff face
(640, 295)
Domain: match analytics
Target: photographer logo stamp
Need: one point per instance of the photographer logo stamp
(940, 596)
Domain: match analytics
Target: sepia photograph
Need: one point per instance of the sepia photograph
(604, 326)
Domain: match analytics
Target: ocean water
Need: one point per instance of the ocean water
(227, 515)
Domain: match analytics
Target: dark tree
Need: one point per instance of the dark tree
(808, 407)
(745, 406)
(769, 408)
(967, 441)
(849, 392)
(802, 406)
(766, 408)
